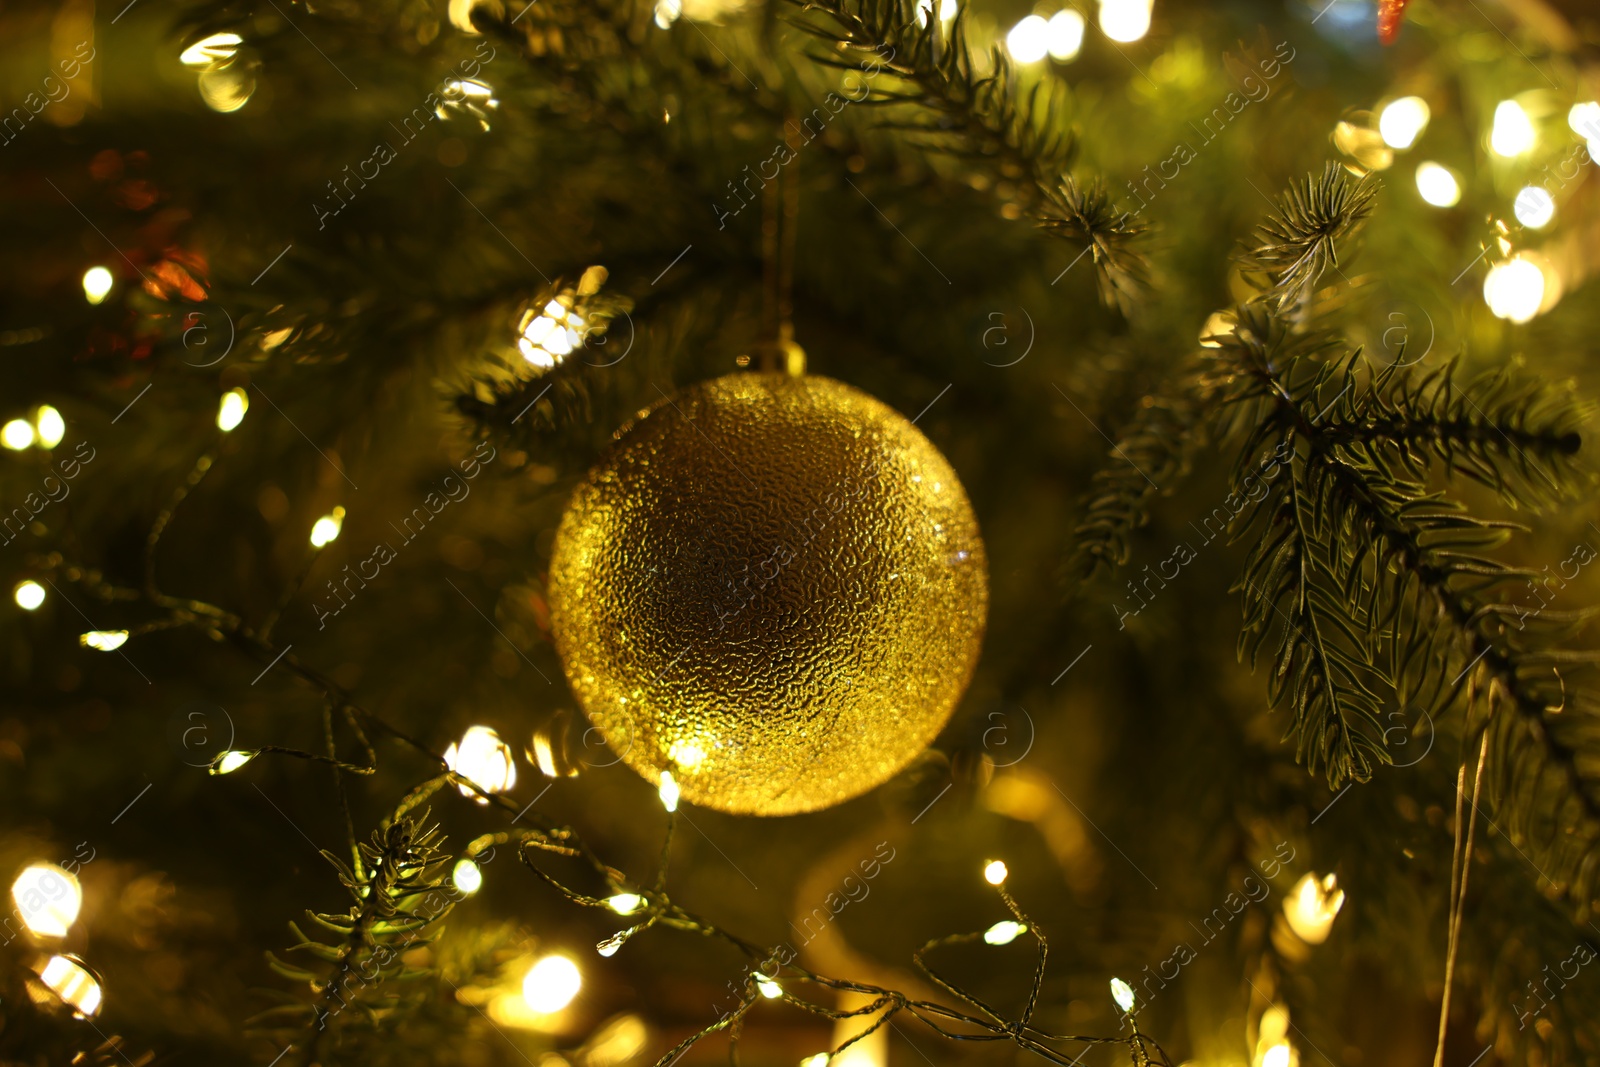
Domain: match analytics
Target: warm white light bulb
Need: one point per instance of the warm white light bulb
(49, 424)
(231, 760)
(1064, 35)
(668, 791)
(625, 903)
(97, 282)
(668, 12)
(47, 899)
(1311, 907)
(559, 343)
(1402, 121)
(69, 979)
(1029, 40)
(104, 640)
(539, 329)
(17, 434)
(28, 595)
(230, 412)
(211, 52)
(483, 759)
(1437, 185)
(1584, 120)
(994, 872)
(947, 10)
(1278, 1055)
(1125, 20)
(769, 989)
(467, 876)
(1122, 993)
(1004, 932)
(1513, 132)
(326, 529)
(551, 984)
(1534, 207)
(1514, 289)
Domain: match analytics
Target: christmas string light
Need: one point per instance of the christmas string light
(571, 318)
(657, 907)
(484, 760)
(70, 979)
(231, 410)
(1584, 119)
(1534, 207)
(1064, 35)
(625, 903)
(17, 434)
(1311, 907)
(49, 425)
(466, 876)
(326, 529)
(103, 640)
(1125, 21)
(654, 906)
(1122, 994)
(1512, 133)
(211, 53)
(28, 595)
(231, 760)
(1514, 289)
(97, 282)
(468, 96)
(1437, 185)
(1402, 121)
(1029, 40)
(768, 975)
(47, 899)
(225, 83)
(551, 984)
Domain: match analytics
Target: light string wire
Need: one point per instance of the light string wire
(990, 1025)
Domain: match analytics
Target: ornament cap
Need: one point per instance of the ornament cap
(782, 355)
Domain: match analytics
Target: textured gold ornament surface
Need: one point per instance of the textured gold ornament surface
(773, 587)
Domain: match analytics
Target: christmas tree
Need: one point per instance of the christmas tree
(598, 533)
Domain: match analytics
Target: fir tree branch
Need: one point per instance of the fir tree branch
(1151, 454)
(1512, 436)
(1323, 666)
(396, 895)
(1299, 243)
(983, 115)
(1405, 569)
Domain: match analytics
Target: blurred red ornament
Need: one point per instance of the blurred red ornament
(1390, 15)
(136, 194)
(175, 274)
(106, 166)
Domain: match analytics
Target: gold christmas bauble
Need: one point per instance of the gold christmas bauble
(773, 587)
